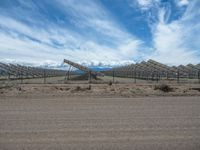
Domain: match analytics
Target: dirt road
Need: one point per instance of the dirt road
(100, 123)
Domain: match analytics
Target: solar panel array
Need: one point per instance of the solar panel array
(18, 71)
(145, 70)
(85, 69)
(154, 70)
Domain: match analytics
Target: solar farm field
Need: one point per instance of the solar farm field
(129, 107)
(46, 122)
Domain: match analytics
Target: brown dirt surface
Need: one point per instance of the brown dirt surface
(99, 116)
(80, 123)
(96, 90)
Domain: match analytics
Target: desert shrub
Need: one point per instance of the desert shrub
(110, 83)
(66, 89)
(78, 88)
(89, 87)
(81, 89)
(163, 87)
(5, 86)
(116, 82)
(19, 88)
(197, 89)
(93, 82)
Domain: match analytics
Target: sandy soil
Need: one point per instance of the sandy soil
(97, 90)
(42, 123)
(99, 116)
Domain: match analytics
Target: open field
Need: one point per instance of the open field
(149, 81)
(41, 80)
(96, 90)
(99, 123)
(98, 115)
(104, 79)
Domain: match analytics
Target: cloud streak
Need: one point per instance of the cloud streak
(45, 31)
(176, 42)
(94, 37)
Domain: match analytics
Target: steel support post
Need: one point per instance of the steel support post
(44, 75)
(157, 77)
(113, 73)
(135, 74)
(89, 76)
(21, 76)
(68, 73)
(178, 76)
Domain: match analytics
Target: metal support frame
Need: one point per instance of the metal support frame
(21, 77)
(44, 75)
(68, 72)
(89, 76)
(157, 77)
(178, 76)
(113, 73)
(82, 68)
(135, 74)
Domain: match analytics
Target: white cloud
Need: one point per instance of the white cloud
(182, 2)
(89, 14)
(103, 40)
(176, 42)
(16, 37)
(146, 4)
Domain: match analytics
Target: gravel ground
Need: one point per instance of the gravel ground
(97, 90)
(99, 123)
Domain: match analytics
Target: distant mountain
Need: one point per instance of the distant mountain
(99, 68)
(52, 65)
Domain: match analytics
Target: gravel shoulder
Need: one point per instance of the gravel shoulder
(98, 90)
(64, 122)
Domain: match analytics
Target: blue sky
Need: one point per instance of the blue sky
(100, 32)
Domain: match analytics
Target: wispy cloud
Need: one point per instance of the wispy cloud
(182, 2)
(176, 42)
(89, 34)
(147, 4)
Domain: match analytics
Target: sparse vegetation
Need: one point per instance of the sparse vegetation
(19, 88)
(78, 88)
(105, 89)
(89, 87)
(6, 86)
(116, 82)
(110, 83)
(163, 87)
(197, 89)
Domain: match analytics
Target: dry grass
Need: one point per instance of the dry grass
(163, 87)
(99, 90)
